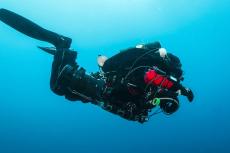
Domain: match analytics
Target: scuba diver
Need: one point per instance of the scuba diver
(130, 84)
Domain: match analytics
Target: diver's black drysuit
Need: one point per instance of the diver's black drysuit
(119, 88)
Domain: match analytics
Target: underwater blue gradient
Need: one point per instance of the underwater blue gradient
(34, 120)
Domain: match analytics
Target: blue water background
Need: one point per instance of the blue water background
(35, 120)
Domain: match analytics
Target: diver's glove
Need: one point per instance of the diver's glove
(188, 93)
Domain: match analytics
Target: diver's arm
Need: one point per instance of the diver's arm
(182, 90)
(33, 30)
(188, 93)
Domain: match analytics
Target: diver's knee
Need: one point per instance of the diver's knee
(56, 90)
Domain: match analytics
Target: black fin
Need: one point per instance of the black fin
(33, 30)
(50, 50)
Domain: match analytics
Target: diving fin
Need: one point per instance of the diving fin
(33, 30)
(50, 50)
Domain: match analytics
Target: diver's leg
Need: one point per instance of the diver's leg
(33, 30)
(71, 81)
(77, 85)
(61, 58)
